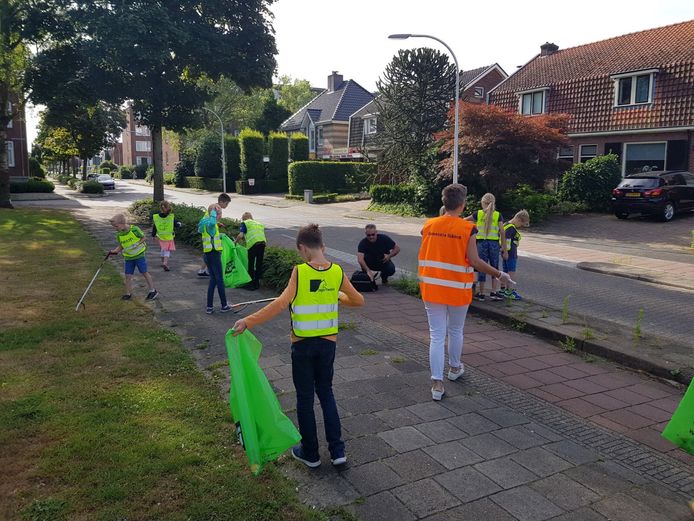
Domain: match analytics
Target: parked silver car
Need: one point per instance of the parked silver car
(106, 181)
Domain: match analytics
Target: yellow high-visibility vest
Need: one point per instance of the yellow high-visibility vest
(165, 226)
(255, 232)
(211, 242)
(493, 234)
(130, 244)
(314, 308)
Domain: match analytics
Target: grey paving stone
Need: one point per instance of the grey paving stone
(372, 478)
(540, 461)
(392, 400)
(363, 424)
(582, 514)
(430, 411)
(414, 465)
(505, 472)
(464, 403)
(425, 497)
(473, 424)
(565, 492)
(367, 449)
(625, 508)
(440, 431)
(543, 431)
(480, 510)
(600, 478)
(520, 437)
(452, 455)
(398, 417)
(467, 484)
(664, 501)
(380, 507)
(488, 446)
(505, 417)
(573, 452)
(405, 439)
(327, 492)
(526, 504)
(360, 405)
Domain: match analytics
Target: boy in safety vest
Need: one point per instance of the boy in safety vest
(223, 201)
(254, 235)
(312, 296)
(163, 224)
(513, 237)
(131, 241)
(489, 224)
(208, 227)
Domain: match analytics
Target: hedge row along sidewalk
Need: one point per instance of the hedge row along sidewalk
(104, 414)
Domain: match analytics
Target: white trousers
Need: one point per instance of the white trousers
(444, 319)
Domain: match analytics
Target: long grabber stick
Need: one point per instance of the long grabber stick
(237, 308)
(81, 301)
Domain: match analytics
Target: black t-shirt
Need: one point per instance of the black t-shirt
(374, 251)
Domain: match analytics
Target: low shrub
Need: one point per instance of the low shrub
(329, 176)
(205, 183)
(73, 183)
(35, 168)
(125, 172)
(567, 208)
(298, 147)
(408, 286)
(278, 265)
(524, 197)
(32, 185)
(324, 198)
(591, 183)
(294, 197)
(184, 168)
(91, 187)
(404, 209)
(108, 164)
(140, 171)
(169, 178)
(394, 194)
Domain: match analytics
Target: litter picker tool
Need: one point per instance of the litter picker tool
(237, 308)
(81, 301)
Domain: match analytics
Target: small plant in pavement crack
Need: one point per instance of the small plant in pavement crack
(565, 310)
(568, 344)
(637, 325)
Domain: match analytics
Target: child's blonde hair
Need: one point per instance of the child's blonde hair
(165, 207)
(488, 203)
(119, 218)
(522, 217)
(246, 216)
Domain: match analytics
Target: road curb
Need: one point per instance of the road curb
(618, 271)
(595, 347)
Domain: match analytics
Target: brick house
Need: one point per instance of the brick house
(135, 145)
(632, 95)
(325, 119)
(364, 124)
(17, 146)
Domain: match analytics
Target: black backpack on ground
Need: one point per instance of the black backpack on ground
(362, 283)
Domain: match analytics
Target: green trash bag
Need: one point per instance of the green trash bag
(235, 263)
(680, 428)
(263, 429)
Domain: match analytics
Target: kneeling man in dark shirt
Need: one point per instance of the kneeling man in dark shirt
(375, 252)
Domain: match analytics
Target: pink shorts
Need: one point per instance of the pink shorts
(167, 245)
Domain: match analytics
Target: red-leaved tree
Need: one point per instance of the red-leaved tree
(499, 149)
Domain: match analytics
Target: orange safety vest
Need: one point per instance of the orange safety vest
(445, 274)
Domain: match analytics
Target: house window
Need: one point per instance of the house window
(479, 92)
(10, 154)
(142, 160)
(635, 89)
(320, 136)
(312, 140)
(644, 157)
(142, 131)
(586, 152)
(566, 153)
(532, 103)
(143, 146)
(370, 125)
(9, 113)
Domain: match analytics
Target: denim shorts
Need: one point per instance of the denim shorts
(510, 264)
(130, 264)
(488, 251)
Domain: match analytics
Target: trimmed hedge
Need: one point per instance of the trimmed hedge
(208, 163)
(394, 194)
(329, 176)
(35, 168)
(252, 153)
(232, 149)
(184, 168)
(298, 147)
(108, 164)
(278, 146)
(32, 185)
(91, 187)
(204, 183)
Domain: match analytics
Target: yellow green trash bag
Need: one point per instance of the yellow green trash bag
(234, 263)
(680, 428)
(263, 429)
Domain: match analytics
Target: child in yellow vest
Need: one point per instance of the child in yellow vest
(163, 224)
(131, 241)
(510, 264)
(312, 296)
(252, 233)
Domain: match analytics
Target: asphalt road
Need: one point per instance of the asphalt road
(667, 311)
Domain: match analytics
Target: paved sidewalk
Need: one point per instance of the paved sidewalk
(513, 440)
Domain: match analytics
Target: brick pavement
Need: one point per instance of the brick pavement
(530, 433)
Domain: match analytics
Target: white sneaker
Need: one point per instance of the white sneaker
(437, 395)
(453, 376)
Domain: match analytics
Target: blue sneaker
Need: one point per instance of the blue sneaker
(515, 296)
(298, 454)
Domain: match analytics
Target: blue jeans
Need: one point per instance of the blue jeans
(213, 259)
(312, 372)
(488, 251)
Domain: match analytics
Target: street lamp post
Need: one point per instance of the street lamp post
(457, 92)
(224, 160)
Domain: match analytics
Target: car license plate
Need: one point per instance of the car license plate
(633, 194)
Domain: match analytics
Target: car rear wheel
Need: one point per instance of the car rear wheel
(668, 211)
(621, 215)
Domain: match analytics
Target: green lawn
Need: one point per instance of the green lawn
(103, 414)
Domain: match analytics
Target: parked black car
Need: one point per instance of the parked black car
(656, 193)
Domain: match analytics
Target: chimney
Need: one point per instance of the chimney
(548, 49)
(334, 81)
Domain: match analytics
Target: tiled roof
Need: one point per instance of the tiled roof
(579, 80)
(369, 108)
(337, 105)
(467, 76)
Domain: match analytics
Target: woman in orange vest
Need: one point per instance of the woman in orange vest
(447, 260)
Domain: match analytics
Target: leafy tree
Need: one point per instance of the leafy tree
(294, 94)
(415, 93)
(501, 149)
(208, 162)
(59, 146)
(272, 116)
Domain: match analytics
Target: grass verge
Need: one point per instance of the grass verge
(104, 415)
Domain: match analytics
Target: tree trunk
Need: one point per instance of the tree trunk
(4, 172)
(84, 169)
(157, 158)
